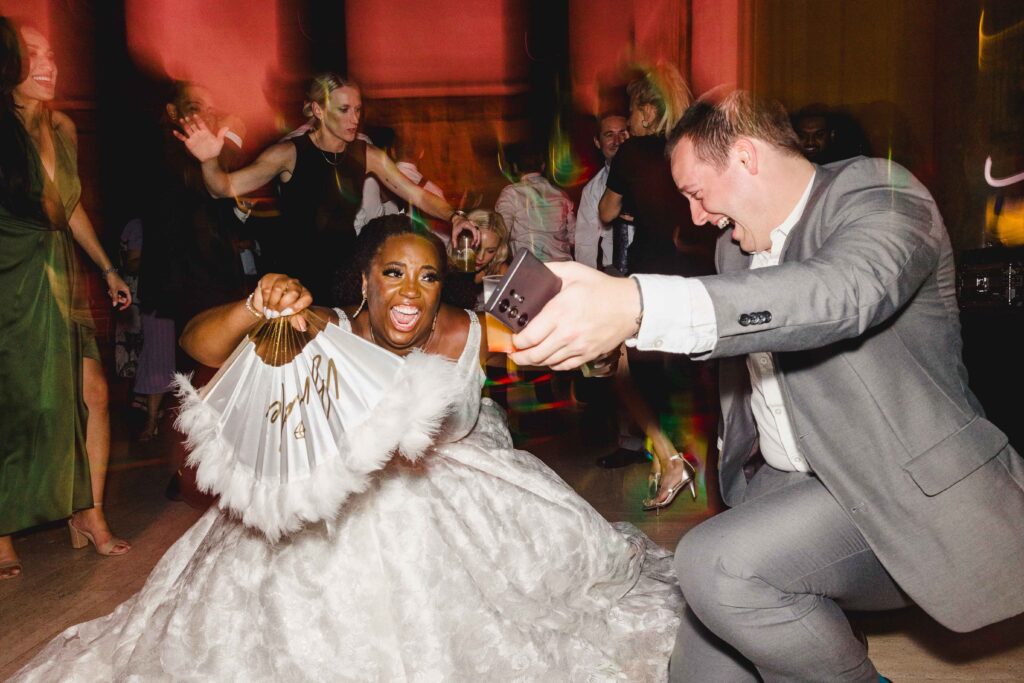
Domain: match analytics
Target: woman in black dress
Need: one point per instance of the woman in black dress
(319, 177)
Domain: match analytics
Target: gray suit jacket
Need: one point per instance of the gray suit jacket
(862, 320)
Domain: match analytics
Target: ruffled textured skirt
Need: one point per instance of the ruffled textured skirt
(476, 563)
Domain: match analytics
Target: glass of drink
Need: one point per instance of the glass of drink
(602, 366)
(463, 253)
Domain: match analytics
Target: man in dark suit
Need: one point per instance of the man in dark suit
(860, 469)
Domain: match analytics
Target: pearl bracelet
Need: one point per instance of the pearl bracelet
(252, 309)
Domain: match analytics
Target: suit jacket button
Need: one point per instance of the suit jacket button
(767, 316)
(745, 319)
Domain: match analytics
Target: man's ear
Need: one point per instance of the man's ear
(746, 154)
(597, 143)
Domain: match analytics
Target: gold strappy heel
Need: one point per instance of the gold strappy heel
(689, 481)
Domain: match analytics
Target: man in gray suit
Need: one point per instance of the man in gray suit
(860, 470)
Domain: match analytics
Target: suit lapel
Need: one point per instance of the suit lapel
(811, 215)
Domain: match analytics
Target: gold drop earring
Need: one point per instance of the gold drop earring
(362, 304)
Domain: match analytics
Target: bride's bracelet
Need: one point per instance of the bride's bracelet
(252, 309)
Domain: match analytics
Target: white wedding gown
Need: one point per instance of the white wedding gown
(478, 563)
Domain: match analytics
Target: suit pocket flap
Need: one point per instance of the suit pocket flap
(956, 456)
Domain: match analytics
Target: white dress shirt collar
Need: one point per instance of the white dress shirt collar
(779, 234)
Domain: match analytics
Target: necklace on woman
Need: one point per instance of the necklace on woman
(422, 347)
(332, 163)
(324, 154)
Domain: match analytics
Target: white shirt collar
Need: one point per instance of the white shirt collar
(779, 234)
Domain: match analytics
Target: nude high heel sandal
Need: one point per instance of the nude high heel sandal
(80, 539)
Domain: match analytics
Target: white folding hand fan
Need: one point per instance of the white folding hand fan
(294, 422)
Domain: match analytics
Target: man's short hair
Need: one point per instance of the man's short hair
(713, 128)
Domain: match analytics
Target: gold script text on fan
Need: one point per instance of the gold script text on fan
(322, 383)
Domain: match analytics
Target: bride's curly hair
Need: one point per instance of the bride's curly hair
(348, 286)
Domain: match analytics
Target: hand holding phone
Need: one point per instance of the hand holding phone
(523, 291)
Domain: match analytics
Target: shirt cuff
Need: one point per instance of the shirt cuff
(679, 316)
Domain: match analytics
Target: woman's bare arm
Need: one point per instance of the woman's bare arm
(206, 146)
(380, 165)
(211, 336)
(85, 235)
(610, 206)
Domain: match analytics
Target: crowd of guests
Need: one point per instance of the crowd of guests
(193, 247)
(843, 493)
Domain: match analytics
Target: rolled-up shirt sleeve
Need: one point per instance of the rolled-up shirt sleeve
(679, 316)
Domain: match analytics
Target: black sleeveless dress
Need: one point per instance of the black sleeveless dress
(318, 206)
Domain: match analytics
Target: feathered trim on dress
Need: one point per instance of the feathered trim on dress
(404, 421)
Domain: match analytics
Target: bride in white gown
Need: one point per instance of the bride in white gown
(475, 562)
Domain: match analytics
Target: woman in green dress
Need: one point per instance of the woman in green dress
(54, 429)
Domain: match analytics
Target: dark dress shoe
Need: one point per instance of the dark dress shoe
(623, 457)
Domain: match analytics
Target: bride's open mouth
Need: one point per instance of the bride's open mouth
(404, 318)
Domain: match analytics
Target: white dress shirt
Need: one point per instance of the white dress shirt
(695, 331)
(539, 217)
(590, 231)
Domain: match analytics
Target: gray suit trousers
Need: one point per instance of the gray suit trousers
(766, 584)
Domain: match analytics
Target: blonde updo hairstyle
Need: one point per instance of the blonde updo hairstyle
(663, 87)
(493, 222)
(319, 90)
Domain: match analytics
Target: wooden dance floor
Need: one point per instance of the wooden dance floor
(61, 586)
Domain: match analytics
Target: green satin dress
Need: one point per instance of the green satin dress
(45, 329)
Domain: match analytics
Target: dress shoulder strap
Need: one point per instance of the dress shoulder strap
(343, 321)
(471, 351)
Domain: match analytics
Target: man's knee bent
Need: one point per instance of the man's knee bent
(697, 563)
(715, 571)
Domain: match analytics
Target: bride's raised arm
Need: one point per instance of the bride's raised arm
(211, 336)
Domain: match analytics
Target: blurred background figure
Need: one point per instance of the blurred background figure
(191, 259)
(378, 201)
(155, 362)
(594, 237)
(539, 216)
(128, 324)
(604, 403)
(640, 185)
(55, 435)
(640, 190)
(493, 254)
(540, 219)
(828, 135)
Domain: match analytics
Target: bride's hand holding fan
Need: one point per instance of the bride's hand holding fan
(279, 296)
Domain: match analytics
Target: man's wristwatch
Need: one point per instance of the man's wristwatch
(456, 212)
